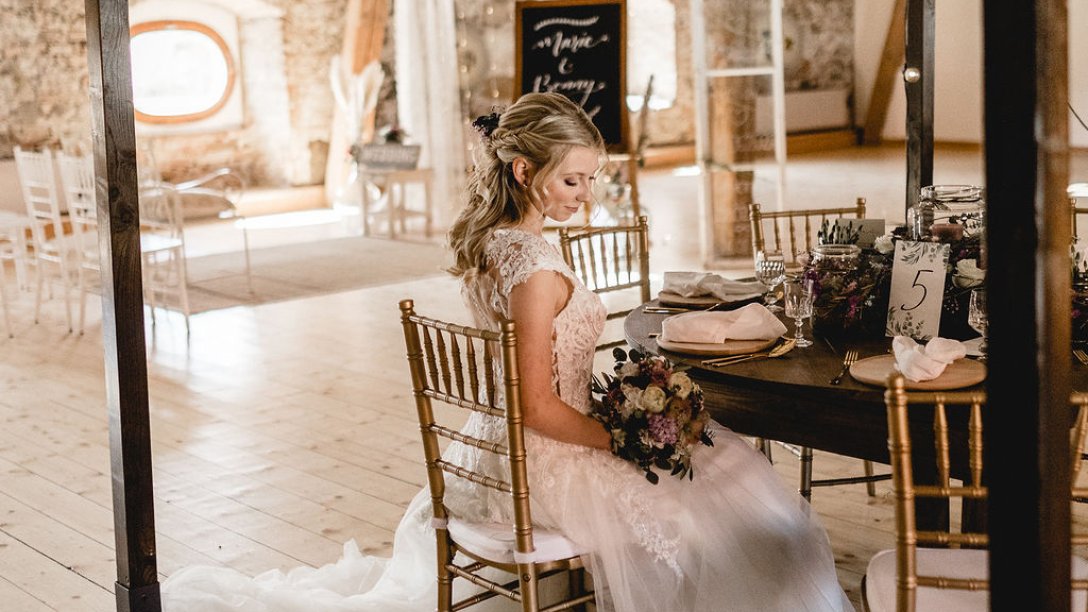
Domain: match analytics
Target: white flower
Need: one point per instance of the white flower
(653, 399)
(681, 384)
(628, 369)
(884, 244)
(968, 274)
(633, 397)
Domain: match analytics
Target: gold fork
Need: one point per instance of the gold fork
(847, 361)
(1081, 356)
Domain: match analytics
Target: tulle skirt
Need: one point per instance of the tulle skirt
(734, 538)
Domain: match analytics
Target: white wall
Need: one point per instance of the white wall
(958, 79)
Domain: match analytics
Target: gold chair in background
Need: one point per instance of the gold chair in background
(611, 260)
(784, 226)
(456, 365)
(946, 569)
(1075, 211)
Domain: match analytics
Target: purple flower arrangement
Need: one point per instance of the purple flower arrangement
(654, 414)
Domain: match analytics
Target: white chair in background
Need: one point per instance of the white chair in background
(77, 183)
(38, 183)
(162, 243)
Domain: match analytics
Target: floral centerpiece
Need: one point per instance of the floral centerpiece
(654, 413)
(852, 299)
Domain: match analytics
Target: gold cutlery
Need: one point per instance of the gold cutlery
(847, 361)
(1081, 356)
(776, 351)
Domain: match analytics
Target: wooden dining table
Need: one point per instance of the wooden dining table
(791, 398)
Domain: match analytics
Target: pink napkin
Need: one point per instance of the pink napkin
(697, 284)
(752, 322)
(918, 363)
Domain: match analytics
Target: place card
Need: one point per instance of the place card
(917, 289)
(868, 229)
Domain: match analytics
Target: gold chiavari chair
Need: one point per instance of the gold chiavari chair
(946, 569)
(459, 366)
(794, 231)
(799, 228)
(611, 260)
(1075, 211)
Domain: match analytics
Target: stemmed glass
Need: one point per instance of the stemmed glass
(976, 317)
(797, 295)
(770, 270)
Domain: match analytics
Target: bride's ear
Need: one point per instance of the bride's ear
(523, 171)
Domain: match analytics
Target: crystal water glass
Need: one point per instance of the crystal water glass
(770, 271)
(797, 295)
(976, 317)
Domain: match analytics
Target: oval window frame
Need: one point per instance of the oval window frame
(228, 90)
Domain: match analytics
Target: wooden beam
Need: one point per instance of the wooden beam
(891, 62)
(1028, 232)
(114, 142)
(920, 20)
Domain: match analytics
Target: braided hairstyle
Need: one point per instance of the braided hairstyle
(541, 128)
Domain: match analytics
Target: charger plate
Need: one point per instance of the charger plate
(959, 374)
(729, 347)
(668, 298)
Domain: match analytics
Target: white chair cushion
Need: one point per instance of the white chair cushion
(495, 541)
(958, 563)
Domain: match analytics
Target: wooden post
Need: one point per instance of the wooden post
(1028, 231)
(109, 65)
(918, 76)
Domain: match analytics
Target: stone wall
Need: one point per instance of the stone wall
(284, 141)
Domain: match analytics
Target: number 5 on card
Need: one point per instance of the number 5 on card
(917, 289)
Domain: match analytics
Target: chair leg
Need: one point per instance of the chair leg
(38, 294)
(183, 288)
(245, 243)
(806, 473)
(763, 445)
(82, 298)
(67, 281)
(870, 486)
(527, 581)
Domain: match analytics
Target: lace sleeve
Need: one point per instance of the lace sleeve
(518, 255)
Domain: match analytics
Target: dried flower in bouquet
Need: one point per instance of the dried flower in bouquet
(654, 413)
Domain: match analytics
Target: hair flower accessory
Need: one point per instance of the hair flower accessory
(485, 124)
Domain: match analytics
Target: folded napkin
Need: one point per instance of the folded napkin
(695, 284)
(918, 363)
(751, 322)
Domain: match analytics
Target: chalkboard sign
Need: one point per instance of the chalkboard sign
(577, 48)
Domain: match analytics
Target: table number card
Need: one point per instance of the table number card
(917, 289)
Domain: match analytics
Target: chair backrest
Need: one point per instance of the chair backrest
(794, 231)
(37, 180)
(77, 182)
(611, 259)
(460, 366)
(160, 211)
(945, 457)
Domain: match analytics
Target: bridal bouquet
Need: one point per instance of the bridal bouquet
(654, 413)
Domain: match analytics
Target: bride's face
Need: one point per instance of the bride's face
(572, 185)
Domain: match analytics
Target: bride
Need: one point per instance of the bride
(735, 539)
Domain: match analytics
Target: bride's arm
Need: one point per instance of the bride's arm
(533, 306)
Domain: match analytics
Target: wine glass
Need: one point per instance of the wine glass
(770, 270)
(797, 295)
(976, 317)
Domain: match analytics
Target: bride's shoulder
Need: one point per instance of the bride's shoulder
(511, 241)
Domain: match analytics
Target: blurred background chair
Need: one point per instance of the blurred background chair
(52, 255)
(613, 262)
(77, 183)
(214, 196)
(162, 244)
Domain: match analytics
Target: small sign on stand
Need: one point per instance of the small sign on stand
(387, 156)
(917, 289)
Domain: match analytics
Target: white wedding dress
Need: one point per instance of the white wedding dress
(733, 539)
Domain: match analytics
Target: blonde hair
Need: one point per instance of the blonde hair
(541, 128)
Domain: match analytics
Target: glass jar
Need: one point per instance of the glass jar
(835, 257)
(950, 205)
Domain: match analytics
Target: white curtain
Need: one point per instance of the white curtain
(429, 94)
